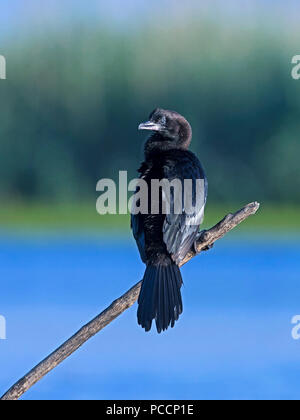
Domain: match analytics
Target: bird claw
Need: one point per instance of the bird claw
(207, 248)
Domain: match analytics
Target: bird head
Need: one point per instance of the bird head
(170, 129)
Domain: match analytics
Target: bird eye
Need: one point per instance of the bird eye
(163, 120)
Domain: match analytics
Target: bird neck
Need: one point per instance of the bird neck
(157, 143)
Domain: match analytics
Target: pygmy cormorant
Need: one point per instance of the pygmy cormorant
(164, 239)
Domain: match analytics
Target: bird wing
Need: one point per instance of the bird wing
(180, 230)
(137, 222)
(138, 233)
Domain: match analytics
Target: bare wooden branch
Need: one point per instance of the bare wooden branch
(205, 239)
(208, 237)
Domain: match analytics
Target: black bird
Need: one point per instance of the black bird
(164, 239)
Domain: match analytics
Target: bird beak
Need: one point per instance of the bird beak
(149, 125)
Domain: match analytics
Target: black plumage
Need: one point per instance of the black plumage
(164, 239)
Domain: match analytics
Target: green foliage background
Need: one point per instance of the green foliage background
(74, 97)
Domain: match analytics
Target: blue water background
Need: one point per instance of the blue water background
(233, 340)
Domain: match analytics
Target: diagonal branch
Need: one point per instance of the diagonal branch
(206, 239)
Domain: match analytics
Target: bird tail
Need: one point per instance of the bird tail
(160, 297)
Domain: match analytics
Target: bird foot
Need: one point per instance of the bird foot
(207, 248)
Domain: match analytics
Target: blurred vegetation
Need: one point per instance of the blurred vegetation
(67, 217)
(73, 99)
